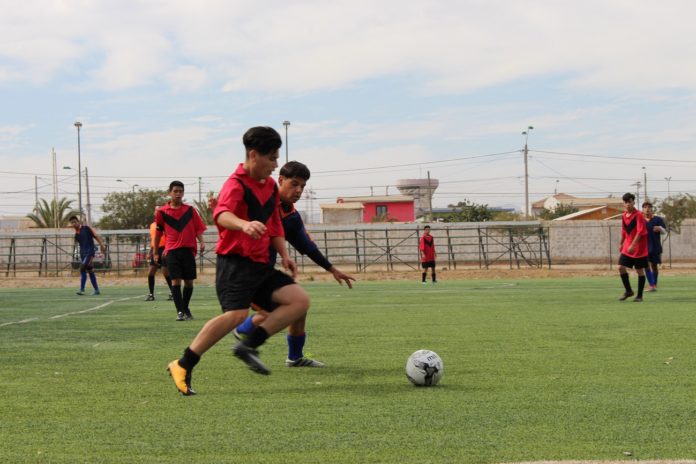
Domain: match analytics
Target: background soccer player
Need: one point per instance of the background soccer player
(85, 237)
(182, 226)
(633, 247)
(656, 227)
(427, 254)
(292, 181)
(157, 248)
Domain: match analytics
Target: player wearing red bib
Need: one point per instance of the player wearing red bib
(633, 247)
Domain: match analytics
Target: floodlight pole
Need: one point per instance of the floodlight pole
(526, 172)
(78, 124)
(286, 124)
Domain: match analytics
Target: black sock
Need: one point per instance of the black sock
(655, 273)
(151, 284)
(257, 337)
(626, 282)
(169, 283)
(176, 291)
(189, 360)
(188, 291)
(641, 285)
(434, 278)
(424, 274)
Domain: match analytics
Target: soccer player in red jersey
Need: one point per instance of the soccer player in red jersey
(248, 221)
(182, 226)
(427, 254)
(633, 247)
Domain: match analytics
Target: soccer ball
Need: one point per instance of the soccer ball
(424, 368)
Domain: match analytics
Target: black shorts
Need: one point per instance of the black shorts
(638, 263)
(655, 258)
(162, 259)
(181, 263)
(427, 264)
(240, 282)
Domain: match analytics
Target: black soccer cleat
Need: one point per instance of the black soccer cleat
(626, 296)
(150, 297)
(180, 316)
(250, 356)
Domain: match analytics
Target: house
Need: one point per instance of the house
(596, 213)
(377, 208)
(582, 204)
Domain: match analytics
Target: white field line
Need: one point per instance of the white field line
(58, 316)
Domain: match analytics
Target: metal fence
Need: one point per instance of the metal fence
(367, 247)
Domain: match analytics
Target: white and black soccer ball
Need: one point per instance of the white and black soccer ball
(424, 368)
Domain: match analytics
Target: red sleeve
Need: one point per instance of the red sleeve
(421, 243)
(200, 225)
(641, 224)
(274, 224)
(231, 195)
(159, 220)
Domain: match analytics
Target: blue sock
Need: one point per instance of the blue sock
(246, 327)
(83, 280)
(295, 345)
(649, 275)
(93, 280)
(655, 274)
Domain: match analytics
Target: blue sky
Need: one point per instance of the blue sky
(375, 92)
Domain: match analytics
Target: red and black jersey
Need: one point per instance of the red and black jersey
(251, 200)
(631, 225)
(180, 226)
(427, 247)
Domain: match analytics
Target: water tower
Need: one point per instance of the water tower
(421, 190)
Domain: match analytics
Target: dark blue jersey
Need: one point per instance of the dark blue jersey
(654, 239)
(297, 235)
(85, 238)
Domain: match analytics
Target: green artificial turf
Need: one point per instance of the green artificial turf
(534, 370)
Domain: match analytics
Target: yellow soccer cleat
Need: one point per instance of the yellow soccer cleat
(181, 377)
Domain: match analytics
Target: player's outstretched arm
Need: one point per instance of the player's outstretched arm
(342, 277)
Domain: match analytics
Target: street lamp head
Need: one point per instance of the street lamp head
(78, 124)
(530, 127)
(286, 124)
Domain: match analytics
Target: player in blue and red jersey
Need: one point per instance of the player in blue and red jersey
(656, 227)
(292, 181)
(182, 226)
(633, 247)
(248, 221)
(85, 237)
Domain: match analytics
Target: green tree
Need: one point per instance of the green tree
(130, 210)
(203, 209)
(54, 214)
(677, 208)
(466, 211)
(563, 209)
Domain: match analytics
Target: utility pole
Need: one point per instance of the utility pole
(36, 193)
(199, 191)
(78, 124)
(89, 205)
(637, 186)
(430, 198)
(645, 184)
(286, 124)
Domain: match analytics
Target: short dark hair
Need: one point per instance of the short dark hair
(295, 169)
(426, 227)
(628, 197)
(176, 183)
(73, 217)
(263, 139)
(646, 203)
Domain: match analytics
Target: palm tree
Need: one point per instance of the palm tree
(54, 214)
